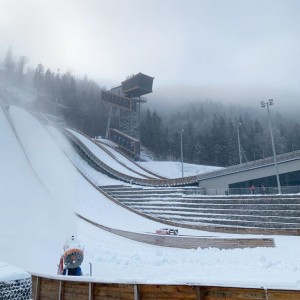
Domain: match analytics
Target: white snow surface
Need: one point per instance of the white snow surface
(10, 273)
(129, 163)
(37, 217)
(103, 156)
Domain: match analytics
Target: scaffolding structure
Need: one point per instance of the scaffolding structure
(129, 121)
(127, 99)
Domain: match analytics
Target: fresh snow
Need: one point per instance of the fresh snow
(129, 163)
(41, 191)
(10, 273)
(103, 156)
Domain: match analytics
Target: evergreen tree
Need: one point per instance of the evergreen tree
(9, 63)
(20, 68)
(39, 77)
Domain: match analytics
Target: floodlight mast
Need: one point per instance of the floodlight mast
(267, 104)
(239, 142)
(181, 150)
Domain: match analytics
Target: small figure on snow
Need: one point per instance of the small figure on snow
(252, 189)
(263, 188)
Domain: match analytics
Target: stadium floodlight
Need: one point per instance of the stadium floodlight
(267, 104)
(262, 104)
(181, 150)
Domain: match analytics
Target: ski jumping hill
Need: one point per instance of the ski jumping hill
(43, 190)
(184, 206)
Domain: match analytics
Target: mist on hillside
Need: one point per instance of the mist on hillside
(170, 98)
(209, 124)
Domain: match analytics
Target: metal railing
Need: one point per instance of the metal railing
(247, 191)
(252, 165)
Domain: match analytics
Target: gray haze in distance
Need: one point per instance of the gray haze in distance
(229, 51)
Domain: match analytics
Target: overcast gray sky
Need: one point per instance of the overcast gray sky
(245, 50)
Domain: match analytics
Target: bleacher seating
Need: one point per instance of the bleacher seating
(268, 213)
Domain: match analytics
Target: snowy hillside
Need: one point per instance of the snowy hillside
(41, 190)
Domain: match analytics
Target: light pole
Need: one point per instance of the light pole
(267, 104)
(181, 150)
(239, 142)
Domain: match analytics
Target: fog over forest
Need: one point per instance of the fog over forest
(210, 127)
(230, 51)
(286, 102)
(213, 62)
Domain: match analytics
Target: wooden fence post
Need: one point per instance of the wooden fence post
(199, 293)
(37, 289)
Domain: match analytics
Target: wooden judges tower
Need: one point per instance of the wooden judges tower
(127, 100)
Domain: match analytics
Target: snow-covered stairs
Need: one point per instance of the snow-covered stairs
(185, 206)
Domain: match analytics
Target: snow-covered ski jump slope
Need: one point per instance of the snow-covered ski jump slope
(92, 151)
(137, 223)
(41, 190)
(114, 158)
